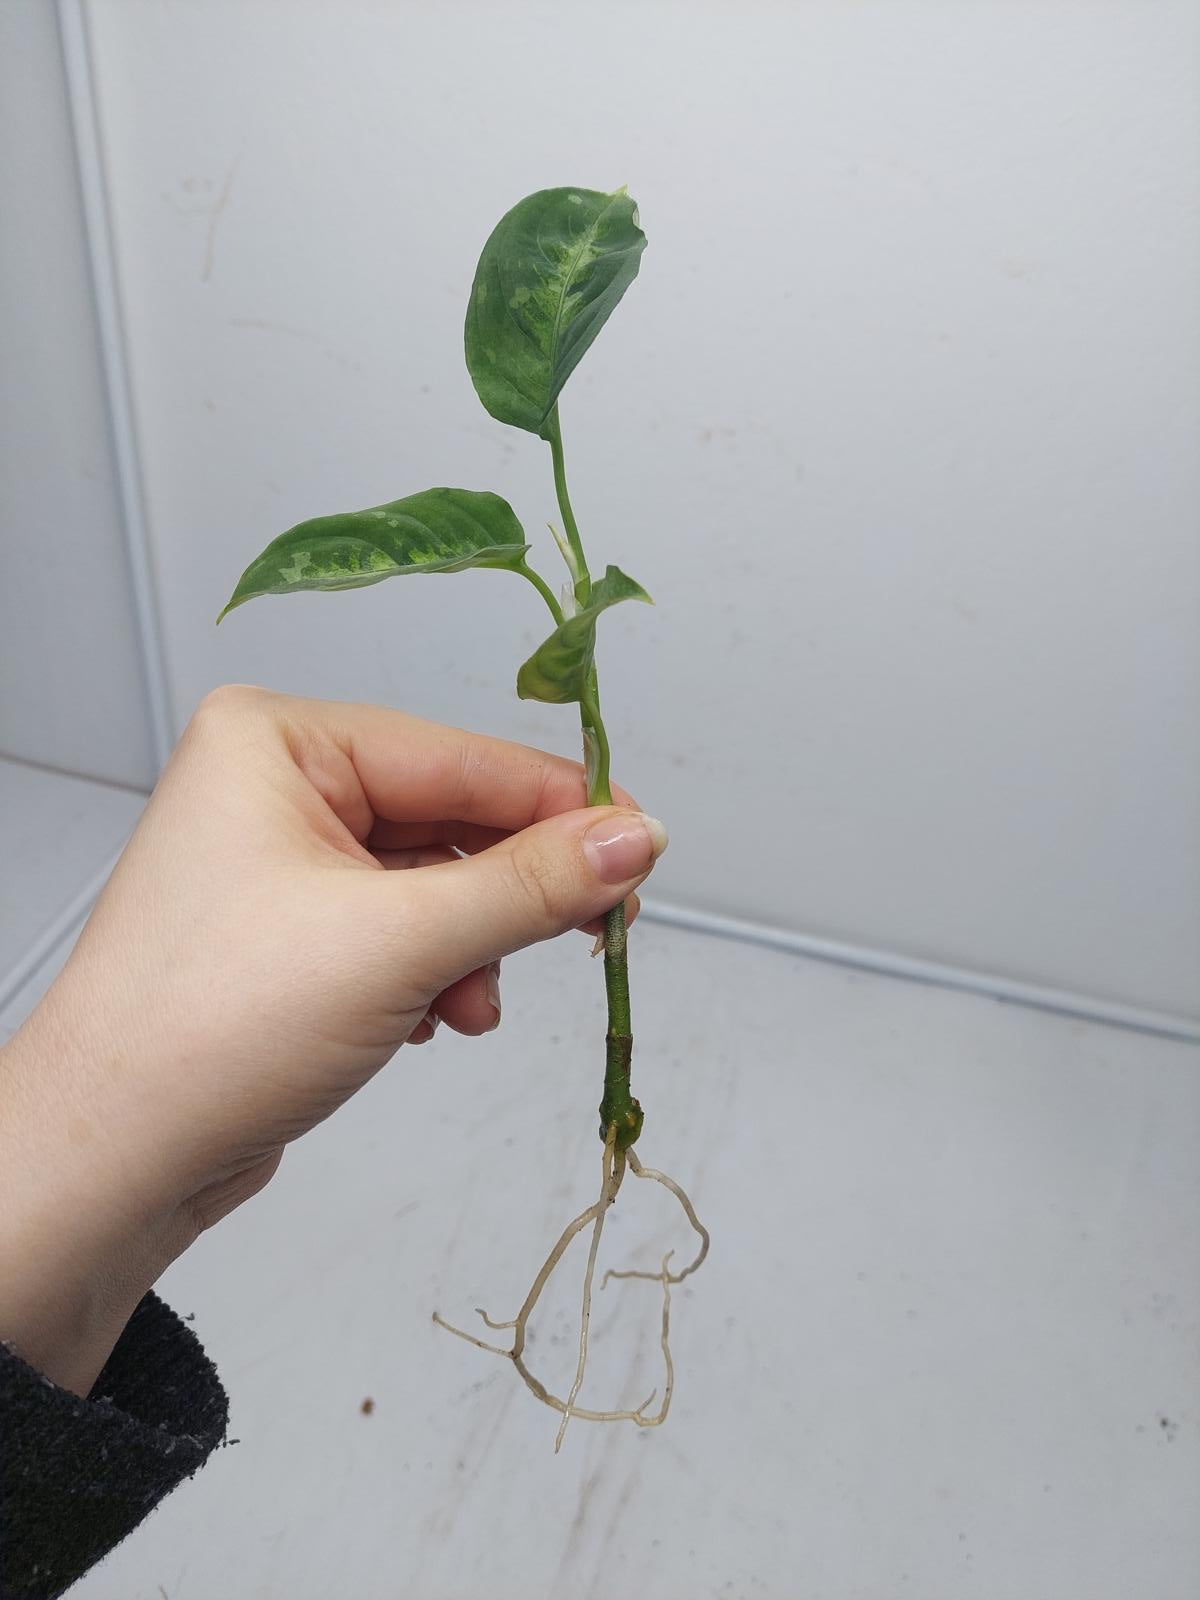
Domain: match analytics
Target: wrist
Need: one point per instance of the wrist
(80, 1241)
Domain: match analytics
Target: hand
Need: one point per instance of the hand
(261, 950)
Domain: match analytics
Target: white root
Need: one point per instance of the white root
(615, 1162)
(669, 1390)
(608, 1193)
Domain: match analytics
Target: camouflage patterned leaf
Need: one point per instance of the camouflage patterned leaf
(438, 530)
(549, 277)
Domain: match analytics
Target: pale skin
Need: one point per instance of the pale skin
(254, 960)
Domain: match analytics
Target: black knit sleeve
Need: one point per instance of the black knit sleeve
(77, 1475)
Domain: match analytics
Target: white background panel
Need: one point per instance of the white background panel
(898, 424)
(70, 693)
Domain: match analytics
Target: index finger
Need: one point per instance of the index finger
(411, 772)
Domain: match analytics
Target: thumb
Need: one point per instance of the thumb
(534, 885)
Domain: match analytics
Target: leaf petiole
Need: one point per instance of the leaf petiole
(543, 588)
(579, 567)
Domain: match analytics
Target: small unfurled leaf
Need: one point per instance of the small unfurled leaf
(438, 530)
(557, 671)
(614, 587)
(549, 277)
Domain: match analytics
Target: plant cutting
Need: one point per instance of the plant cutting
(548, 279)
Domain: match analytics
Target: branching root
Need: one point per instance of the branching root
(613, 1173)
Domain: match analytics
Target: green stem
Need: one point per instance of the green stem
(620, 1113)
(553, 437)
(595, 739)
(618, 1108)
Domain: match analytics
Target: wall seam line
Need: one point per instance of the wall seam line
(53, 934)
(862, 958)
(113, 348)
(915, 969)
(9, 758)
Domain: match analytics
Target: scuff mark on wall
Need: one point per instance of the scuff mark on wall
(216, 212)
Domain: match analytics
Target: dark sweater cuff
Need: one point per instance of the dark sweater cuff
(77, 1475)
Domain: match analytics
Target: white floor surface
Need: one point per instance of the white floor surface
(945, 1345)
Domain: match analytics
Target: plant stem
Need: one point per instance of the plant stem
(619, 1110)
(553, 437)
(595, 738)
(620, 1113)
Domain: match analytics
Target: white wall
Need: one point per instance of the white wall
(70, 691)
(898, 423)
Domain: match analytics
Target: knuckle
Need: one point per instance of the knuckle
(228, 697)
(223, 705)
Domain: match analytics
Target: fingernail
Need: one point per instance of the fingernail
(620, 848)
(432, 1018)
(492, 984)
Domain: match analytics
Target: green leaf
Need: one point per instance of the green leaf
(548, 279)
(614, 587)
(438, 530)
(558, 669)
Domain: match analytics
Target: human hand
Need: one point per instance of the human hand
(253, 962)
